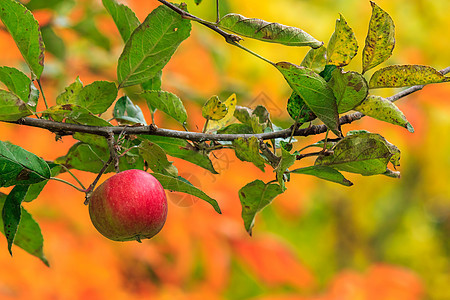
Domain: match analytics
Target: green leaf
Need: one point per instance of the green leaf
(254, 197)
(28, 235)
(53, 42)
(125, 19)
(16, 81)
(198, 2)
(366, 154)
(88, 29)
(380, 39)
(70, 94)
(298, 110)
(181, 149)
(125, 111)
(236, 128)
(214, 109)
(139, 63)
(286, 161)
(41, 4)
(384, 110)
(98, 96)
(230, 104)
(349, 88)
(315, 59)
(405, 75)
(248, 150)
(24, 28)
(343, 45)
(258, 118)
(91, 158)
(12, 108)
(324, 172)
(315, 91)
(156, 159)
(18, 166)
(11, 212)
(72, 113)
(166, 102)
(153, 84)
(177, 185)
(268, 32)
(327, 71)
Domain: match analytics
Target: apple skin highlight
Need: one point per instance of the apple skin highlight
(130, 205)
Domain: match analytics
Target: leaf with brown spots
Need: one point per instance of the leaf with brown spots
(349, 88)
(380, 39)
(384, 110)
(343, 45)
(405, 75)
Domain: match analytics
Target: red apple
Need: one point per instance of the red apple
(130, 205)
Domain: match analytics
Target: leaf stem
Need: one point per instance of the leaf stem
(66, 182)
(42, 93)
(68, 171)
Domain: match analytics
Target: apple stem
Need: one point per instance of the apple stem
(89, 190)
(66, 182)
(138, 239)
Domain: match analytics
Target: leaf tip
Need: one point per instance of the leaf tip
(409, 127)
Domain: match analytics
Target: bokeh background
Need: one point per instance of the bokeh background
(383, 238)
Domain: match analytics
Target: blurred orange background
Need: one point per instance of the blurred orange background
(382, 239)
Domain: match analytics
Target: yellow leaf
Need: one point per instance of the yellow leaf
(214, 109)
(230, 104)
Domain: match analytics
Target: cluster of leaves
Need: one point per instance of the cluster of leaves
(321, 89)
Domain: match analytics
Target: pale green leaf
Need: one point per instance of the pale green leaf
(315, 59)
(384, 110)
(268, 32)
(125, 111)
(16, 81)
(97, 97)
(156, 159)
(70, 94)
(12, 107)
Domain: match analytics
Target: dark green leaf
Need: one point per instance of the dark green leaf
(70, 94)
(16, 81)
(380, 39)
(365, 154)
(314, 90)
(325, 173)
(125, 19)
(11, 212)
(28, 235)
(177, 185)
(298, 110)
(384, 110)
(137, 64)
(91, 158)
(72, 113)
(156, 159)
(327, 71)
(343, 45)
(98, 96)
(315, 59)
(12, 107)
(268, 32)
(349, 88)
(53, 42)
(181, 149)
(405, 75)
(88, 29)
(248, 150)
(18, 166)
(254, 197)
(166, 102)
(236, 128)
(41, 4)
(25, 31)
(125, 111)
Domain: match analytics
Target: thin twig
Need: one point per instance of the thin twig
(217, 11)
(42, 93)
(93, 184)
